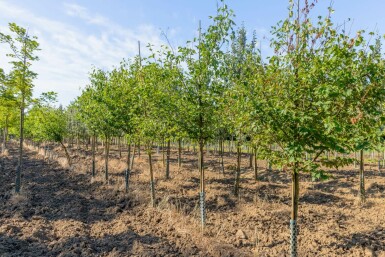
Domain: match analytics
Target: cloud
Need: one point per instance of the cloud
(68, 52)
(82, 12)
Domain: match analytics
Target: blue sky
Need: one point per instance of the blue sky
(74, 35)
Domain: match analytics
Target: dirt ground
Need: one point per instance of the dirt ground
(64, 212)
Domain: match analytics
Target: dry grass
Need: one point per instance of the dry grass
(4, 153)
(63, 162)
(19, 198)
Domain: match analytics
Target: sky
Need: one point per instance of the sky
(74, 36)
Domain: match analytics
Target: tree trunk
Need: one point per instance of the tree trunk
(120, 148)
(107, 151)
(127, 179)
(202, 184)
(132, 158)
(238, 171)
(179, 153)
(294, 211)
(5, 136)
(168, 160)
(20, 164)
(93, 155)
(66, 153)
(152, 186)
(255, 164)
(362, 178)
(251, 155)
(163, 154)
(222, 148)
(128, 154)
(139, 149)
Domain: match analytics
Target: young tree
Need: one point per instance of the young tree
(8, 108)
(202, 87)
(87, 112)
(45, 122)
(369, 75)
(23, 48)
(242, 65)
(306, 98)
(148, 115)
(94, 106)
(169, 89)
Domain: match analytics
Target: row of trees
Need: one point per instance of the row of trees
(322, 90)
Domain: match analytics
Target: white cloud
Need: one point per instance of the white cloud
(82, 12)
(68, 53)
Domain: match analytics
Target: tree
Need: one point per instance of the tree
(8, 108)
(23, 48)
(45, 122)
(147, 118)
(169, 86)
(202, 87)
(306, 98)
(242, 64)
(122, 104)
(369, 75)
(95, 111)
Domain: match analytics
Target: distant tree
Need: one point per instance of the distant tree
(242, 64)
(45, 122)
(8, 108)
(23, 48)
(94, 110)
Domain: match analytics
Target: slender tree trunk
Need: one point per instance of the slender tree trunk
(128, 154)
(5, 136)
(202, 184)
(362, 178)
(127, 179)
(238, 171)
(132, 158)
(222, 148)
(66, 153)
(251, 155)
(107, 151)
(93, 155)
(20, 164)
(294, 211)
(168, 160)
(3, 142)
(163, 153)
(120, 148)
(152, 185)
(255, 164)
(139, 149)
(179, 153)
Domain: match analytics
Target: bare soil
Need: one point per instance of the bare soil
(64, 212)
